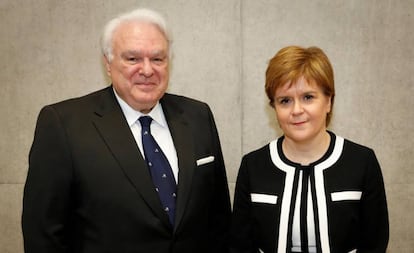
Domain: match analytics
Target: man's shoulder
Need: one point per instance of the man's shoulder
(174, 98)
(183, 103)
(86, 103)
(90, 97)
(189, 109)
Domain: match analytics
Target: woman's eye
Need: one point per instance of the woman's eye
(308, 97)
(284, 101)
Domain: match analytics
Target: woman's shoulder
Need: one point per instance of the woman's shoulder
(259, 152)
(355, 150)
(356, 147)
(261, 155)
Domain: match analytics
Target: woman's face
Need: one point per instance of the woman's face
(301, 110)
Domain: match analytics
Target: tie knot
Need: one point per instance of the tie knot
(145, 121)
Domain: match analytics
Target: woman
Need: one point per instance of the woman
(310, 190)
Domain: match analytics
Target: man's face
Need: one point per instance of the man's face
(140, 66)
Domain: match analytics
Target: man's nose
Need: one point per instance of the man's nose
(146, 68)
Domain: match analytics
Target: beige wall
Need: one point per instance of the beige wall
(50, 51)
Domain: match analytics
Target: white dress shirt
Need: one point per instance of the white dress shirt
(159, 129)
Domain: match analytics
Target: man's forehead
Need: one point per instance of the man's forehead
(140, 38)
(138, 52)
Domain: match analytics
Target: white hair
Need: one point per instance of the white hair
(138, 15)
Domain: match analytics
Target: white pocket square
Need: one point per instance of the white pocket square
(346, 195)
(263, 198)
(205, 160)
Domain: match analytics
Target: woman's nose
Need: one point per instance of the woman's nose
(297, 107)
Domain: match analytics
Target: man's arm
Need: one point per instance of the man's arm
(220, 222)
(46, 201)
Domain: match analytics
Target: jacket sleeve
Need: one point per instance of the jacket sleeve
(375, 226)
(221, 214)
(241, 240)
(46, 200)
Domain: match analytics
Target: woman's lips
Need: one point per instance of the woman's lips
(299, 123)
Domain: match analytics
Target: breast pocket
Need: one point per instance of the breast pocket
(205, 160)
(204, 174)
(346, 196)
(345, 214)
(263, 198)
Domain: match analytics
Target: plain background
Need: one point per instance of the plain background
(50, 51)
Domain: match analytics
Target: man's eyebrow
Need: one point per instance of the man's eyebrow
(130, 52)
(159, 52)
(138, 52)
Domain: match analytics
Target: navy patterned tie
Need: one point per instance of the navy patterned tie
(160, 169)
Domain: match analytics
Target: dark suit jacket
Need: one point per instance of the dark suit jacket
(88, 188)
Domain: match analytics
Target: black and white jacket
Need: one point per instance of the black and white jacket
(348, 200)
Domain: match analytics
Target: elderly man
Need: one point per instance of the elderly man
(128, 168)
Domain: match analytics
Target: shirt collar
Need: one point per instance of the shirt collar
(133, 115)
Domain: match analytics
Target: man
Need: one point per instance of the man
(90, 186)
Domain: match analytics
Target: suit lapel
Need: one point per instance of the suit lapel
(179, 128)
(113, 128)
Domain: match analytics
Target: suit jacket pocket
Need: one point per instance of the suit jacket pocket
(205, 160)
(263, 198)
(346, 195)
